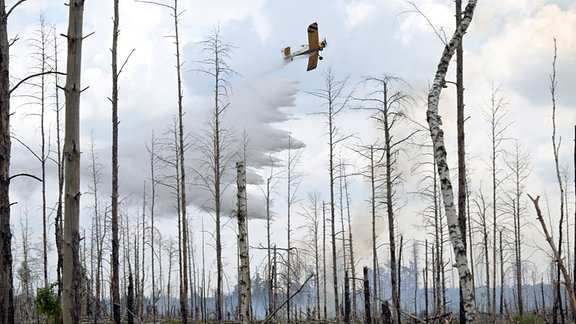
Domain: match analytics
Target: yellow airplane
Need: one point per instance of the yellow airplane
(312, 49)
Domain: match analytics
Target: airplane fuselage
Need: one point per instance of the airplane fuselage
(304, 50)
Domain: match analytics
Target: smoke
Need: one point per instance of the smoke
(258, 108)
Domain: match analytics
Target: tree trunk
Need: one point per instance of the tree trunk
(351, 248)
(58, 222)
(130, 298)
(72, 271)
(346, 298)
(367, 317)
(555, 253)
(437, 135)
(115, 278)
(244, 271)
(461, 145)
(6, 288)
(183, 202)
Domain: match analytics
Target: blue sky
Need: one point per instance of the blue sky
(509, 45)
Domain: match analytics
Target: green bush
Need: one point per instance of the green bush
(528, 319)
(48, 303)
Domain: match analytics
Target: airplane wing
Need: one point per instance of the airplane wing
(312, 61)
(313, 40)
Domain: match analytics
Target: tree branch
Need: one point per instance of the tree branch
(33, 76)
(14, 7)
(25, 175)
(287, 300)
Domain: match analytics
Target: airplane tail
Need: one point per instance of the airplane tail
(286, 52)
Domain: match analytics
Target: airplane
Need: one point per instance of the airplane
(312, 49)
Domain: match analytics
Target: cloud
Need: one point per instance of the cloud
(359, 12)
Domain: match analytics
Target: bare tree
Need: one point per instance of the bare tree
(495, 115)
(181, 156)
(40, 44)
(98, 232)
(555, 252)
(371, 174)
(153, 184)
(293, 179)
(336, 100)
(312, 214)
(216, 146)
(72, 271)
(6, 288)
(271, 183)
(388, 109)
(556, 149)
(482, 211)
(518, 163)
(437, 135)
(114, 280)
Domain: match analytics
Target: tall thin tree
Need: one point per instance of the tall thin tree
(461, 140)
(216, 145)
(6, 288)
(335, 99)
(181, 156)
(72, 271)
(115, 278)
(437, 135)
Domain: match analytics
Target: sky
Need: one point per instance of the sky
(509, 46)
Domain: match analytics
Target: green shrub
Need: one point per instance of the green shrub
(528, 319)
(48, 303)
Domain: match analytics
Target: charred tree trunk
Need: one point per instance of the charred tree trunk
(461, 146)
(115, 277)
(72, 271)
(347, 307)
(367, 316)
(130, 298)
(437, 135)
(6, 288)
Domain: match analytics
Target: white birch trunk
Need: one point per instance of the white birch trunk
(437, 135)
(244, 267)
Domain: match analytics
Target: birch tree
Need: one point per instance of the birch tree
(244, 271)
(440, 156)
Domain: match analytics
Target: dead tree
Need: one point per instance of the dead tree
(216, 145)
(182, 172)
(114, 280)
(387, 108)
(437, 135)
(244, 271)
(518, 164)
(72, 271)
(6, 288)
(335, 99)
(555, 252)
